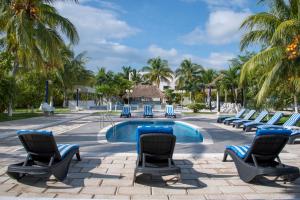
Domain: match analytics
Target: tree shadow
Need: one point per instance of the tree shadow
(48, 181)
(190, 178)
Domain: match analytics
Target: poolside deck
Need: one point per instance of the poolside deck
(106, 171)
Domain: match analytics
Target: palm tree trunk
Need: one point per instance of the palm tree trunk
(226, 96)
(65, 99)
(10, 103)
(296, 103)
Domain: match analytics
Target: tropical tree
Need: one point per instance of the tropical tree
(189, 76)
(157, 71)
(126, 71)
(73, 73)
(111, 85)
(31, 31)
(136, 77)
(277, 31)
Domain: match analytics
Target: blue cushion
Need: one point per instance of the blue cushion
(295, 132)
(271, 131)
(64, 149)
(151, 129)
(42, 132)
(240, 151)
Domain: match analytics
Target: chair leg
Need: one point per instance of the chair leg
(78, 156)
(225, 156)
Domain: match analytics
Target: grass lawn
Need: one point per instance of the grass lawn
(191, 113)
(16, 116)
(110, 113)
(22, 113)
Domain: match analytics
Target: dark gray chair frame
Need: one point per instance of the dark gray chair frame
(150, 158)
(260, 159)
(43, 158)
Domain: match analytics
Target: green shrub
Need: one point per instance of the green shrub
(196, 107)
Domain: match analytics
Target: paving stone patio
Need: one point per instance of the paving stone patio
(109, 175)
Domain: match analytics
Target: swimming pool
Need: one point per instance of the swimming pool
(125, 131)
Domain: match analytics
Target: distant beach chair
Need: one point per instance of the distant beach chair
(292, 121)
(259, 158)
(237, 116)
(228, 121)
(294, 136)
(170, 111)
(126, 112)
(259, 118)
(249, 125)
(47, 109)
(44, 156)
(155, 147)
(148, 111)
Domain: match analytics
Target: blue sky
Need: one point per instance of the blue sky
(129, 32)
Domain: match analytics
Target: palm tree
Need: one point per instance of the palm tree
(136, 77)
(157, 71)
(230, 82)
(126, 71)
(31, 31)
(73, 73)
(187, 74)
(276, 31)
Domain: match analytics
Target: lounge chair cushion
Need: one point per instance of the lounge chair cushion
(44, 132)
(271, 131)
(150, 129)
(295, 132)
(64, 149)
(240, 150)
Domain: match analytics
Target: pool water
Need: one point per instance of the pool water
(126, 131)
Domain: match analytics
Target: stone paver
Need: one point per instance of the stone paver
(103, 174)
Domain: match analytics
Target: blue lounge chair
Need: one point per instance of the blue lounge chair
(261, 158)
(249, 125)
(238, 115)
(148, 111)
(170, 111)
(155, 147)
(126, 112)
(247, 117)
(294, 136)
(292, 121)
(261, 116)
(44, 156)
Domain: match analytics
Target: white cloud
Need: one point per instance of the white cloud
(214, 4)
(216, 60)
(97, 27)
(222, 27)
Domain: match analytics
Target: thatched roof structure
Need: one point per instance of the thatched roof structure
(146, 91)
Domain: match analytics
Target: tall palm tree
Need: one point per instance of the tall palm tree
(31, 31)
(126, 71)
(275, 30)
(230, 82)
(157, 71)
(187, 73)
(73, 73)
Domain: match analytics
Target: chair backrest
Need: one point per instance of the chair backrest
(148, 110)
(240, 113)
(267, 145)
(157, 144)
(126, 110)
(143, 130)
(293, 120)
(170, 109)
(275, 118)
(249, 114)
(261, 116)
(40, 144)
